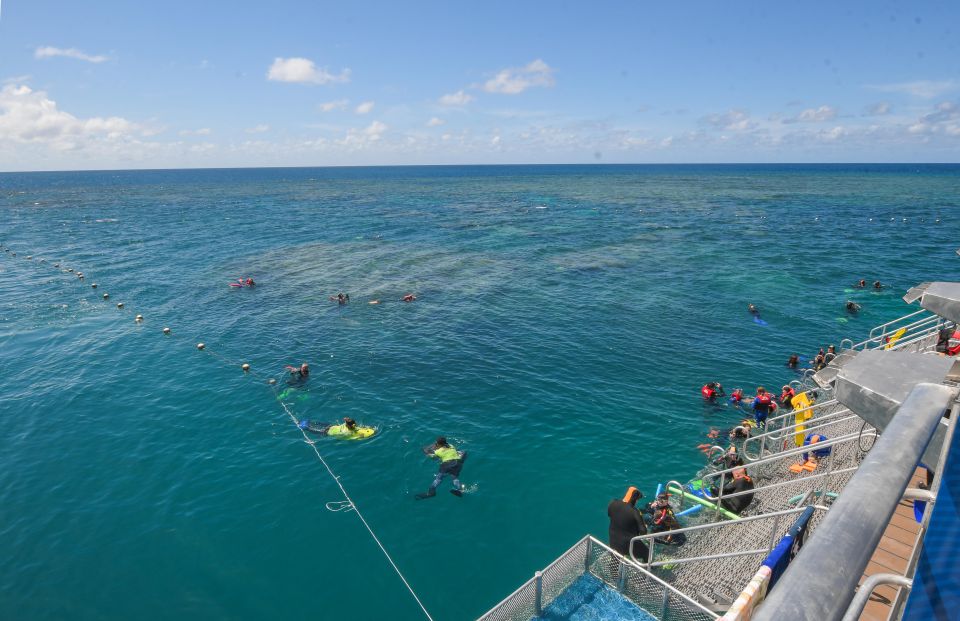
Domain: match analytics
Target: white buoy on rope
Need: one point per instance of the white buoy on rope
(29, 257)
(138, 318)
(119, 304)
(94, 285)
(271, 381)
(200, 345)
(245, 367)
(106, 296)
(166, 330)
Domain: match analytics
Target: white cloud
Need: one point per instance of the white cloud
(330, 106)
(364, 108)
(515, 80)
(924, 89)
(945, 119)
(72, 52)
(814, 115)
(303, 71)
(257, 129)
(203, 131)
(28, 116)
(878, 109)
(435, 122)
(460, 98)
(363, 138)
(731, 120)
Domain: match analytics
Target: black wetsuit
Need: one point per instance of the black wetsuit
(739, 503)
(625, 524)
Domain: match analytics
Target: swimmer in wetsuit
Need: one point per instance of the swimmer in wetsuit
(852, 307)
(451, 462)
(349, 426)
(753, 310)
(298, 375)
(794, 361)
(626, 523)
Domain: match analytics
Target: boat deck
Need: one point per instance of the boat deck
(892, 555)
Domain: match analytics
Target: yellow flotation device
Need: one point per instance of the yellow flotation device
(801, 402)
(892, 340)
(342, 432)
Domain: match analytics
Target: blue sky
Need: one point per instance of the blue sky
(120, 84)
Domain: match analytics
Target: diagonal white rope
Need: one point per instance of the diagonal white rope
(338, 505)
(353, 506)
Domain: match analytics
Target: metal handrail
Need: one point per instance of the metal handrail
(879, 338)
(898, 319)
(593, 541)
(789, 430)
(849, 534)
(789, 453)
(868, 587)
(690, 529)
(812, 406)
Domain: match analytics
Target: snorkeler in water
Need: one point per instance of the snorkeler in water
(299, 373)
(340, 298)
(852, 307)
(349, 426)
(753, 310)
(451, 462)
(408, 298)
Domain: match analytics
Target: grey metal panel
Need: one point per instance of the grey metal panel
(876, 383)
(821, 582)
(915, 293)
(943, 298)
(826, 376)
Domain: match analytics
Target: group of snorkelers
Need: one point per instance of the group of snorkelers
(344, 298)
(763, 403)
(451, 460)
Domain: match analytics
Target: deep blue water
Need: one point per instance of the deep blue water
(566, 318)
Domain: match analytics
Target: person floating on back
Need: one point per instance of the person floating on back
(626, 522)
(712, 390)
(451, 462)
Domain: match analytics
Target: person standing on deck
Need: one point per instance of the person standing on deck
(626, 522)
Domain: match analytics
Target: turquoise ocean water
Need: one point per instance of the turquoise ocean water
(566, 319)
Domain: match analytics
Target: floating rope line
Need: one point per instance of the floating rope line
(335, 506)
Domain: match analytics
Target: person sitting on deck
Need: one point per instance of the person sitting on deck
(816, 454)
(741, 483)
(711, 391)
(627, 523)
(663, 520)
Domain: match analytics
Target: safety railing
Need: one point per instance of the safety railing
(836, 464)
(777, 440)
(717, 531)
(543, 595)
(924, 323)
(848, 536)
